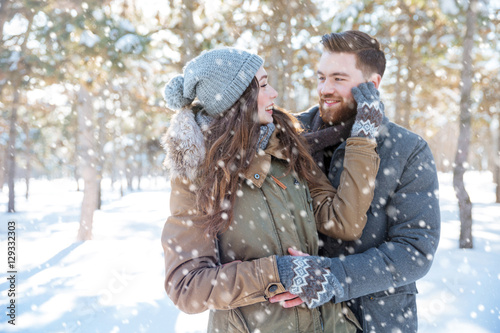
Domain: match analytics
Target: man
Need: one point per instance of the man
(378, 271)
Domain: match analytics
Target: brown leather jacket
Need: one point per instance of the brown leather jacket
(268, 219)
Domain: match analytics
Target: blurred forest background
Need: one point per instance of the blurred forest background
(81, 81)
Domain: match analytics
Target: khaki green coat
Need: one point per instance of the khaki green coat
(268, 219)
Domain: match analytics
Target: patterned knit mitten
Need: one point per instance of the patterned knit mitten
(370, 112)
(309, 278)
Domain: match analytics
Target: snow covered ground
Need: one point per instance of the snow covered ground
(114, 283)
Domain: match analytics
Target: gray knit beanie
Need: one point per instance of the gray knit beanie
(217, 77)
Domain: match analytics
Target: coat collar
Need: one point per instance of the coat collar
(185, 150)
(261, 164)
(184, 145)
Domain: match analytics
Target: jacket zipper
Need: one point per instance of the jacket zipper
(308, 201)
(283, 188)
(273, 223)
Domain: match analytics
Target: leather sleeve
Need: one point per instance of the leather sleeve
(341, 213)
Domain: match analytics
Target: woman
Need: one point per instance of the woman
(244, 190)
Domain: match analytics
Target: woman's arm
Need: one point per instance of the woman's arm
(195, 281)
(341, 213)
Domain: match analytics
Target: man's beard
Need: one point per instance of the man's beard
(336, 115)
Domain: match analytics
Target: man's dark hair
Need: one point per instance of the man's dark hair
(369, 55)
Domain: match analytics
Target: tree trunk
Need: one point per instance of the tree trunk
(407, 105)
(140, 165)
(288, 89)
(11, 152)
(129, 177)
(497, 165)
(188, 29)
(77, 178)
(101, 122)
(27, 175)
(122, 191)
(274, 70)
(75, 158)
(142, 143)
(3, 166)
(275, 59)
(115, 158)
(464, 202)
(4, 14)
(88, 160)
(16, 86)
(398, 101)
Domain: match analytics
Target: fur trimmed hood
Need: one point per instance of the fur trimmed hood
(184, 143)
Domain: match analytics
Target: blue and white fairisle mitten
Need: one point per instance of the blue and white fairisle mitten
(309, 278)
(370, 111)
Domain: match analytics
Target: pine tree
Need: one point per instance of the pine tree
(464, 202)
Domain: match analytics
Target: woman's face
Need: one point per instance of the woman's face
(265, 101)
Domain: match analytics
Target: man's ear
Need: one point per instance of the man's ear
(376, 79)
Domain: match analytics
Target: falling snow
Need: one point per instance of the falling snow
(114, 283)
(89, 39)
(129, 43)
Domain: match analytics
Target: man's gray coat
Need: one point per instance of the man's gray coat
(397, 247)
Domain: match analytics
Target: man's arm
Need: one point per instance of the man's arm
(412, 237)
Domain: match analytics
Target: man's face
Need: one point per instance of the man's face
(337, 75)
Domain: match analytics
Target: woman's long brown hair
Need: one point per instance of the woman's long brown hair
(231, 145)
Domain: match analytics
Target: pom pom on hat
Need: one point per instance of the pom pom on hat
(174, 93)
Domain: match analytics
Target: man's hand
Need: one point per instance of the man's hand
(289, 300)
(370, 111)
